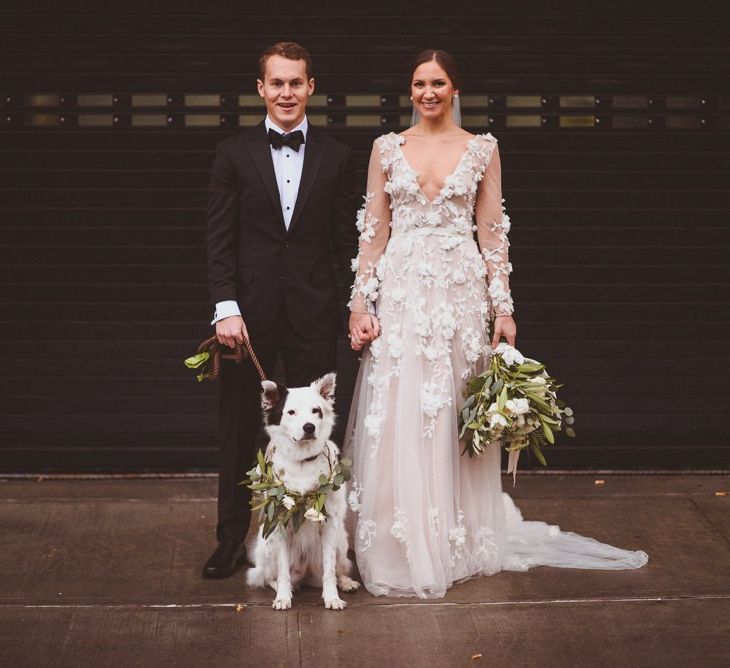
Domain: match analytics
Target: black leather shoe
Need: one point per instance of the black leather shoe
(224, 562)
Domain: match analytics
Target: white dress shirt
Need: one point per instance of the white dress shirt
(288, 166)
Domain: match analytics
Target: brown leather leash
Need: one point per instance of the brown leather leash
(215, 348)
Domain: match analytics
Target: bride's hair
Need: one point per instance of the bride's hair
(443, 59)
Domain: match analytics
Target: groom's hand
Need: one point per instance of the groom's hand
(504, 326)
(231, 331)
(364, 328)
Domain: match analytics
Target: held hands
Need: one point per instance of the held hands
(504, 326)
(364, 328)
(230, 331)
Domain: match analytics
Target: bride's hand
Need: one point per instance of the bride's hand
(504, 326)
(364, 328)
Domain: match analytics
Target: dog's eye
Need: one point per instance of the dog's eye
(291, 412)
(317, 411)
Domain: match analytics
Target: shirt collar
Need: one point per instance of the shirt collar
(270, 125)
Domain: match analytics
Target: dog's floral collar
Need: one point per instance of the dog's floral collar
(279, 505)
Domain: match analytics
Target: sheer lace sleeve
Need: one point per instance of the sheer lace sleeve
(373, 222)
(492, 227)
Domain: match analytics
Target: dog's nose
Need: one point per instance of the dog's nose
(308, 428)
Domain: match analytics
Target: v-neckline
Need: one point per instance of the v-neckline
(416, 173)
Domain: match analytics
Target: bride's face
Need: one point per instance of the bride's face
(432, 90)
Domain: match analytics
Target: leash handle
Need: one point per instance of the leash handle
(214, 347)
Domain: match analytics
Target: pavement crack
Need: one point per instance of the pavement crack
(709, 521)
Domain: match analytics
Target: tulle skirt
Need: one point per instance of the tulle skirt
(426, 516)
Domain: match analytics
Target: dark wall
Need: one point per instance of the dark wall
(614, 134)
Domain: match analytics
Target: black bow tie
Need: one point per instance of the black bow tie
(292, 139)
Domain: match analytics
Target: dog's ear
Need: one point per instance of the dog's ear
(273, 398)
(271, 394)
(325, 386)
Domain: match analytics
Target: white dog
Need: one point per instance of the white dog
(299, 422)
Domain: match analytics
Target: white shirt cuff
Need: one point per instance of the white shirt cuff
(225, 310)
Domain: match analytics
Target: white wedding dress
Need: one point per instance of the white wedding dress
(426, 516)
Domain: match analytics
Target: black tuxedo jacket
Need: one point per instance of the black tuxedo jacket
(255, 260)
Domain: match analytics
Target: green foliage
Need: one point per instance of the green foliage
(489, 414)
(278, 505)
(200, 361)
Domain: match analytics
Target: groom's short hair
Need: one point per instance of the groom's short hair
(290, 50)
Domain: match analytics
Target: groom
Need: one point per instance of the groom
(281, 209)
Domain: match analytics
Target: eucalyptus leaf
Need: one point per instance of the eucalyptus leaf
(502, 399)
(475, 384)
(548, 432)
(538, 454)
(530, 368)
(197, 360)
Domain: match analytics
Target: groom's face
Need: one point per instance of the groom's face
(285, 90)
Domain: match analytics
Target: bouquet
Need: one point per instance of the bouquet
(279, 505)
(515, 401)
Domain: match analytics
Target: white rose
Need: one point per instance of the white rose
(521, 406)
(288, 502)
(497, 420)
(509, 354)
(313, 515)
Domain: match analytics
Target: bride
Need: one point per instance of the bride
(423, 295)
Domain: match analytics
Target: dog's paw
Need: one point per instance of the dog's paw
(334, 603)
(282, 603)
(346, 583)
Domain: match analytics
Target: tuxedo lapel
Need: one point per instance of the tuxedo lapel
(261, 152)
(313, 152)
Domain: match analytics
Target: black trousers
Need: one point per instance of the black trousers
(240, 413)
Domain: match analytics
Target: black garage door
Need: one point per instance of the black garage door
(614, 129)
